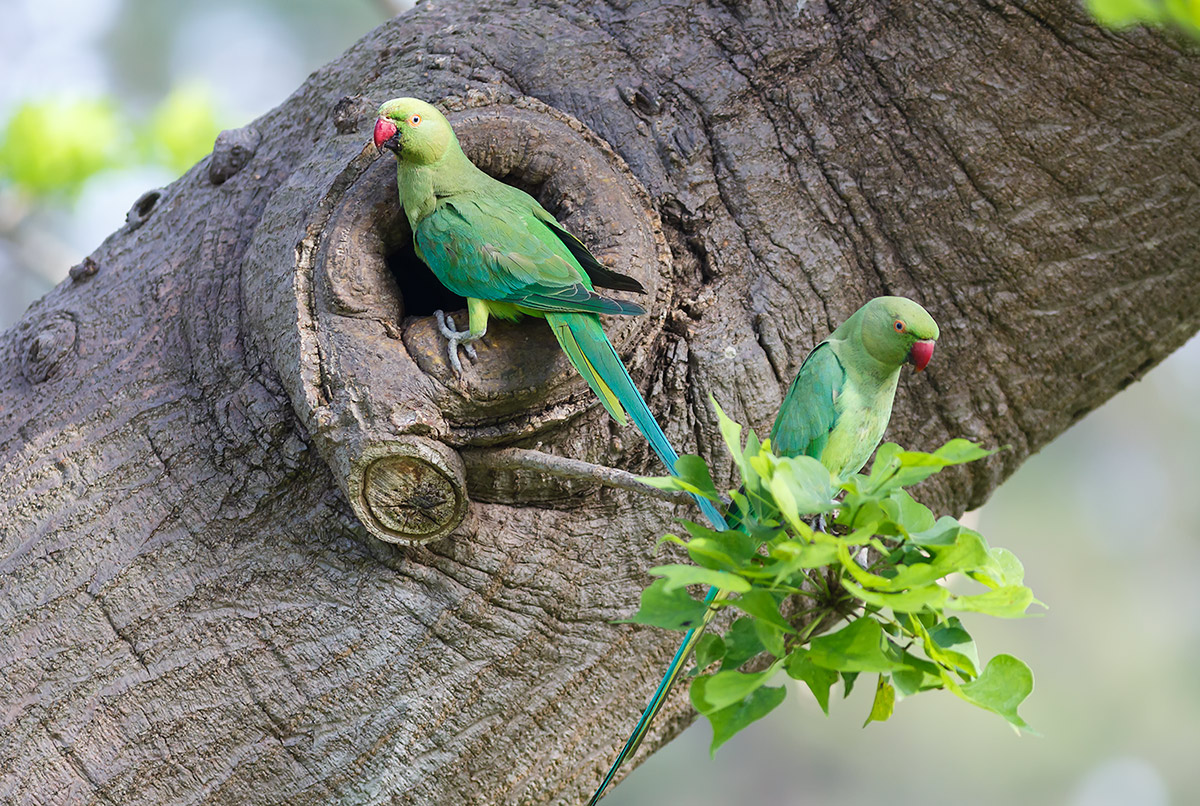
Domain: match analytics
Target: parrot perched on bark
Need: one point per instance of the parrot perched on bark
(836, 411)
(496, 246)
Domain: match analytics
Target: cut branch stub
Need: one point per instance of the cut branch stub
(350, 325)
(411, 490)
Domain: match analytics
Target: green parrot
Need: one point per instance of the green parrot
(836, 411)
(496, 246)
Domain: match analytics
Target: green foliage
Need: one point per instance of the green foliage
(50, 148)
(882, 569)
(181, 130)
(1181, 14)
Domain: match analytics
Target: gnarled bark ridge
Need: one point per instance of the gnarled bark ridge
(191, 612)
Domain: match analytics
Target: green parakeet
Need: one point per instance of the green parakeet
(839, 404)
(496, 246)
(836, 411)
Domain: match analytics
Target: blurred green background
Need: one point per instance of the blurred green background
(1106, 518)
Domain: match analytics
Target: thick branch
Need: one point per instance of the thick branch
(189, 608)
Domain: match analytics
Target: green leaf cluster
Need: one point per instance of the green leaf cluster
(49, 148)
(1181, 14)
(880, 572)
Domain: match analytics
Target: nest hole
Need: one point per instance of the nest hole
(421, 292)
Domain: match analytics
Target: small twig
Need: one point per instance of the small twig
(562, 467)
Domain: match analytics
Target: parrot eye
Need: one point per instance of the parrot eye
(900, 327)
(415, 120)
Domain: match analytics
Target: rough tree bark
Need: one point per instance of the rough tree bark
(190, 610)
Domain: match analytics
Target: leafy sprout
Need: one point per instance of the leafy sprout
(876, 582)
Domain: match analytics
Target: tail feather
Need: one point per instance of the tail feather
(659, 698)
(590, 351)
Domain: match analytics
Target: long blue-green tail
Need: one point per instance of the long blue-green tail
(660, 694)
(590, 351)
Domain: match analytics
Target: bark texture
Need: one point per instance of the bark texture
(190, 610)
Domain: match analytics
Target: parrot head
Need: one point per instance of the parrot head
(896, 330)
(413, 130)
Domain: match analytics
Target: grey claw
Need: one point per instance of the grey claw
(446, 325)
(455, 339)
(452, 351)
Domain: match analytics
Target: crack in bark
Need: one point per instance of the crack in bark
(67, 753)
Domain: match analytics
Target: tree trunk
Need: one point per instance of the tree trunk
(204, 432)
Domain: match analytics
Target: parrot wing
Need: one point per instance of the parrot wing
(597, 272)
(809, 412)
(487, 251)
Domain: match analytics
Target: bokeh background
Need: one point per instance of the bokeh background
(1106, 519)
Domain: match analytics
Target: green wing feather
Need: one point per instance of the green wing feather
(597, 272)
(482, 249)
(809, 411)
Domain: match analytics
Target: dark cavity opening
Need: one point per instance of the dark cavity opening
(421, 290)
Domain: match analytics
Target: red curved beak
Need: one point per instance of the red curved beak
(920, 354)
(384, 130)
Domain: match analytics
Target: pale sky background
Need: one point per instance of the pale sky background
(1106, 519)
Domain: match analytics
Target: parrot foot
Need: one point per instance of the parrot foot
(455, 339)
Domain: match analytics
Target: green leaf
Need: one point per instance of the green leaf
(773, 638)
(954, 547)
(944, 532)
(741, 643)
(860, 646)
(679, 576)
(958, 451)
(731, 432)
(910, 601)
(1005, 683)
(1010, 601)
(918, 576)
(794, 556)
(728, 550)
(801, 486)
(906, 513)
(800, 667)
(917, 675)
(860, 574)
(860, 512)
(762, 605)
(727, 722)
(44, 157)
(885, 463)
(753, 446)
(884, 704)
(848, 679)
(953, 646)
(894, 467)
(714, 692)
(709, 649)
(693, 471)
(1002, 568)
(671, 610)
(668, 483)
(1123, 13)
